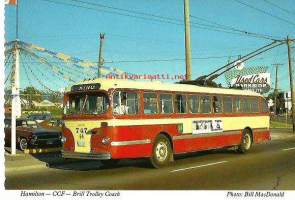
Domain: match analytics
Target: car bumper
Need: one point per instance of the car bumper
(89, 156)
(46, 143)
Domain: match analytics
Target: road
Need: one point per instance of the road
(267, 166)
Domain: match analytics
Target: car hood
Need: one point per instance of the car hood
(45, 131)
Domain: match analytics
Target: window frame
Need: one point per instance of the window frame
(232, 103)
(175, 104)
(211, 106)
(127, 91)
(221, 101)
(157, 102)
(198, 106)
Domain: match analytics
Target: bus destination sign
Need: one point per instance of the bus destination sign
(85, 87)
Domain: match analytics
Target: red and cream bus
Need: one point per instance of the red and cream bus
(110, 120)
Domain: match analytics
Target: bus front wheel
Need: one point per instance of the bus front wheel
(246, 142)
(162, 152)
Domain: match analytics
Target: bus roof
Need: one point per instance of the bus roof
(106, 84)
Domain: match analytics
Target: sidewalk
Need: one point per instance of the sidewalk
(281, 134)
(25, 161)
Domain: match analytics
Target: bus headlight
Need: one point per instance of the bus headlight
(106, 140)
(63, 139)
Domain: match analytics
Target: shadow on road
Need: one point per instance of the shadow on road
(89, 165)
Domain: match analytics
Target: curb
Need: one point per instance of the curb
(23, 168)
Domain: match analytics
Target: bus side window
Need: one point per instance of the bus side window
(125, 103)
(205, 104)
(193, 104)
(228, 104)
(180, 103)
(132, 103)
(237, 104)
(254, 105)
(217, 104)
(150, 103)
(166, 104)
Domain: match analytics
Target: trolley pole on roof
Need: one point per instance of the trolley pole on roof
(100, 55)
(188, 61)
(289, 41)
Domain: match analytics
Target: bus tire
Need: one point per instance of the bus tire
(109, 163)
(162, 152)
(246, 142)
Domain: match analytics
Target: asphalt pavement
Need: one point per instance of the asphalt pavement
(267, 166)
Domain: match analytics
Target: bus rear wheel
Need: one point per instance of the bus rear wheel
(246, 142)
(162, 153)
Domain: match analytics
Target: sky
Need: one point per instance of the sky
(75, 31)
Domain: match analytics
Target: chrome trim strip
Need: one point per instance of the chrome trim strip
(179, 137)
(228, 132)
(131, 142)
(91, 156)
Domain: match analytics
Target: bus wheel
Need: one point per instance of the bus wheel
(110, 163)
(162, 152)
(246, 142)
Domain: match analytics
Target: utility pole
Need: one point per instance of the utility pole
(188, 53)
(276, 88)
(100, 55)
(15, 86)
(289, 41)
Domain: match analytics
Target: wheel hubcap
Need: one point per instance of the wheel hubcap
(23, 144)
(161, 151)
(247, 141)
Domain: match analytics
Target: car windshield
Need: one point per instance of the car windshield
(94, 103)
(39, 117)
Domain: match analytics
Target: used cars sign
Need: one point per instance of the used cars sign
(259, 83)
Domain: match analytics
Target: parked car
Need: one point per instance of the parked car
(55, 124)
(40, 117)
(29, 134)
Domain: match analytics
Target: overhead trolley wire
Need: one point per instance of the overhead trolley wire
(226, 27)
(279, 7)
(152, 17)
(265, 12)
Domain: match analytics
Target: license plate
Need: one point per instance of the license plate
(49, 142)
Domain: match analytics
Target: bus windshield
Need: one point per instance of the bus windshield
(94, 103)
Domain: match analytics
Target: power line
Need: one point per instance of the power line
(226, 27)
(168, 60)
(279, 7)
(114, 12)
(149, 17)
(264, 12)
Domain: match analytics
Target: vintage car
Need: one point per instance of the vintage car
(29, 134)
(39, 117)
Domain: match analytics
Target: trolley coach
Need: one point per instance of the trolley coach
(109, 120)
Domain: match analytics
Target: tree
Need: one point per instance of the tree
(32, 94)
(280, 107)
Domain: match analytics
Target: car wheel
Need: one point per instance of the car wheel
(110, 163)
(246, 142)
(23, 144)
(162, 153)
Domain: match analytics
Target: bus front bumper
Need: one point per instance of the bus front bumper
(89, 156)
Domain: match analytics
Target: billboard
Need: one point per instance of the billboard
(256, 82)
(256, 79)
